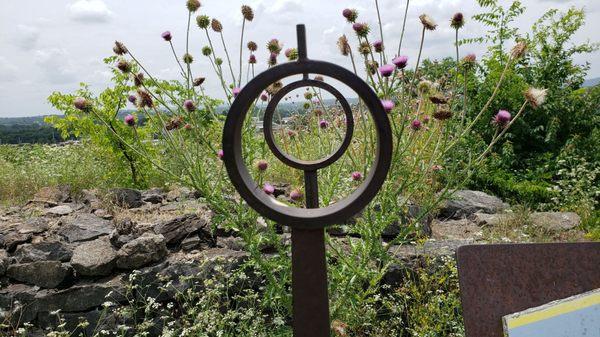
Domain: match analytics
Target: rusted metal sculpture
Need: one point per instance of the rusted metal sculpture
(309, 269)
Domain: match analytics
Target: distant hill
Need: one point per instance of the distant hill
(591, 82)
(33, 120)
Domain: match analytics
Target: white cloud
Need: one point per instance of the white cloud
(55, 65)
(89, 11)
(26, 37)
(8, 71)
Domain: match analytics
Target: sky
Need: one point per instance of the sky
(48, 46)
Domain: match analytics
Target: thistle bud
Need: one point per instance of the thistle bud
(203, 21)
(120, 48)
(188, 58)
(132, 99)
(198, 81)
(268, 189)
(361, 29)
(252, 59)
(129, 120)
(372, 67)
(216, 25)
(378, 46)
(247, 13)
(296, 195)
(272, 59)
(252, 46)
(416, 125)
(427, 22)
(218, 61)
(350, 14)
(502, 118)
(356, 176)
(124, 66)
(236, 91)
(442, 113)
(220, 154)
(206, 51)
(388, 105)
(323, 124)
(166, 36)
(400, 61)
(192, 5)
(438, 99)
(291, 54)
(82, 104)
(343, 45)
(145, 100)
(189, 105)
(264, 97)
(364, 48)
(274, 46)
(138, 79)
(458, 20)
(262, 165)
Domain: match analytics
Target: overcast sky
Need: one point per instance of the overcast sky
(48, 46)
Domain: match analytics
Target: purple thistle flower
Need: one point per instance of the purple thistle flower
(269, 189)
(350, 14)
(502, 118)
(296, 195)
(236, 91)
(378, 46)
(82, 104)
(264, 97)
(416, 125)
(252, 59)
(400, 61)
(388, 105)
(323, 124)
(361, 29)
(166, 36)
(189, 105)
(387, 70)
(220, 154)
(262, 165)
(132, 99)
(129, 120)
(356, 176)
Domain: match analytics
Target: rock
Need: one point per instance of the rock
(465, 203)
(4, 261)
(144, 250)
(13, 239)
(431, 248)
(177, 229)
(97, 320)
(17, 300)
(50, 250)
(45, 274)
(182, 193)
(84, 227)
(410, 212)
(126, 197)
(191, 243)
(232, 243)
(102, 213)
(462, 229)
(81, 297)
(53, 195)
(555, 221)
(153, 196)
(90, 198)
(34, 226)
(60, 210)
(94, 258)
(492, 220)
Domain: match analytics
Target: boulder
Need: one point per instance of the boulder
(94, 258)
(53, 195)
(125, 197)
(90, 198)
(4, 261)
(462, 229)
(17, 301)
(45, 274)
(153, 196)
(177, 229)
(34, 226)
(60, 210)
(465, 203)
(13, 239)
(84, 227)
(50, 250)
(555, 221)
(144, 250)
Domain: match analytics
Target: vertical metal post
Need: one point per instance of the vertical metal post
(309, 272)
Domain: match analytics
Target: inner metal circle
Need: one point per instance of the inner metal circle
(307, 165)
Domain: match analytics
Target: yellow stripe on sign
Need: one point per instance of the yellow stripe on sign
(559, 309)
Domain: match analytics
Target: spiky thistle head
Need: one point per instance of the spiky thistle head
(198, 81)
(364, 48)
(427, 22)
(378, 46)
(193, 5)
(388, 105)
(120, 48)
(274, 46)
(188, 58)
(262, 165)
(138, 79)
(387, 70)
(343, 45)
(247, 13)
(416, 125)
(442, 113)
(189, 105)
(458, 20)
(132, 99)
(438, 99)
(361, 29)
(291, 54)
(502, 118)
(350, 14)
(216, 25)
(296, 195)
(252, 59)
(206, 51)
(145, 100)
(252, 46)
(268, 189)
(82, 104)
(519, 50)
(272, 59)
(372, 67)
(536, 97)
(274, 88)
(129, 120)
(166, 36)
(400, 61)
(203, 21)
(124, 66)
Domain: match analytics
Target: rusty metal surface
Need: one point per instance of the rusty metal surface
(496, 280)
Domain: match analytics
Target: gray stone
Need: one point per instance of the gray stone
(45, 274)
(492, 220)
(94, 258)
(144, 250)
(81, 297)
(153, 196)
(431, 248)
(4, 261)
(191, 243)
(17, 300)
(53, 195)
(462, 229)
(34, 226)
(84, 227)
(181, 193)
(126, 197)
(50, 250)
(60, 210)
(90, 198)
(13, 239)
(555, 221)
(231, 242)
(179, 228)
(465, 203)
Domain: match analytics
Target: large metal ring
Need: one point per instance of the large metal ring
(270, 207)
(307, 165)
